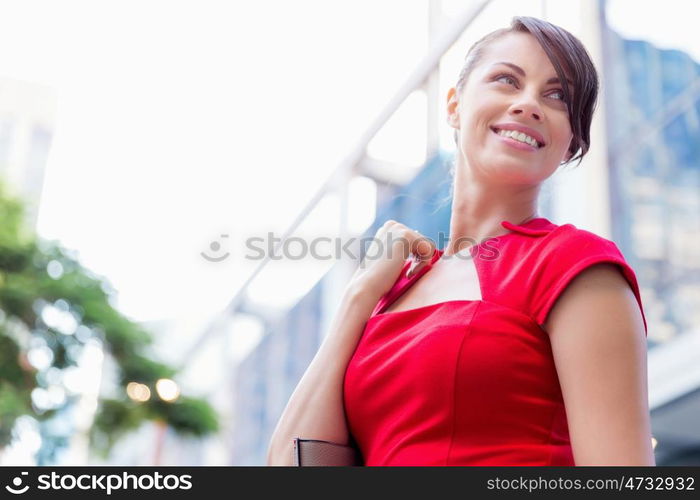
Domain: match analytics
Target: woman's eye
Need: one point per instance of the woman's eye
(559, 93)
(506, 78)
(510, 80)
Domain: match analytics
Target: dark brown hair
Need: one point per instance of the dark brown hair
(569, 58)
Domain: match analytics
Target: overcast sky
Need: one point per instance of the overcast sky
(179, 122)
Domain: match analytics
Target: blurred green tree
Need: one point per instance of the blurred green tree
(51, 307)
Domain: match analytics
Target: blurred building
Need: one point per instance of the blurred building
(654, 166)
(654, 134)
(26, 130)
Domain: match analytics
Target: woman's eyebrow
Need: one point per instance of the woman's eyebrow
(521, 72)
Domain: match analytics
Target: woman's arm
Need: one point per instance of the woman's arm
(315, 410)
(597, 336)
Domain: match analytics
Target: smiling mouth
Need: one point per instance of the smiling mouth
(518, 136)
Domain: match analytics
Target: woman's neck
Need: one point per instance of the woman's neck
(478, 210)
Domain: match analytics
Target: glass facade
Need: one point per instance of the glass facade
(654, 154)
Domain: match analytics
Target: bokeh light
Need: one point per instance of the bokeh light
(167, 389)
(138, 392)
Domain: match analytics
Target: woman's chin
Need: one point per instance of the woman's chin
(514, 170)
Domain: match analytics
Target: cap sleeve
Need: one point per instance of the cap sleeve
(568, 257)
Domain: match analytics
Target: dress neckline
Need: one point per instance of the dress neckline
(534, 227)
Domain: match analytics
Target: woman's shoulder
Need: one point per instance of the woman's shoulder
(532, 261)
(541, 247)
(584, 243)
(554, 238)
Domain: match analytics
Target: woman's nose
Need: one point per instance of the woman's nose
(527, 107)
(527, 112)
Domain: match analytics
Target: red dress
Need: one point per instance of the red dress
(473, 382)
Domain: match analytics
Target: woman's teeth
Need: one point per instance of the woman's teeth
(519, 136)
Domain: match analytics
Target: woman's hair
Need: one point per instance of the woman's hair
(569, 58)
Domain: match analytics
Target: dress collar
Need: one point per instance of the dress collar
(538, 226)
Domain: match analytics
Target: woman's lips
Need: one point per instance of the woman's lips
(514, 143)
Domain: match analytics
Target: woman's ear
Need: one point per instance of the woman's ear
(453, 108)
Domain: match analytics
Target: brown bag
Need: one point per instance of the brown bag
(316, 453)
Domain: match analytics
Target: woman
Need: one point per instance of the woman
(528, 348)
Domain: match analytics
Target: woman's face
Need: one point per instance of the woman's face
(513, 87)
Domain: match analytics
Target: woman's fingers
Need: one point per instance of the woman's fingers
(423, 248)
(392, 245)
(422, 251)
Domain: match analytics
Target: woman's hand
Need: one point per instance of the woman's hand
(392, 245)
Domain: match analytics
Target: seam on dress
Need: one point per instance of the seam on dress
(521, 312)
(551, 434)
(453, 418)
